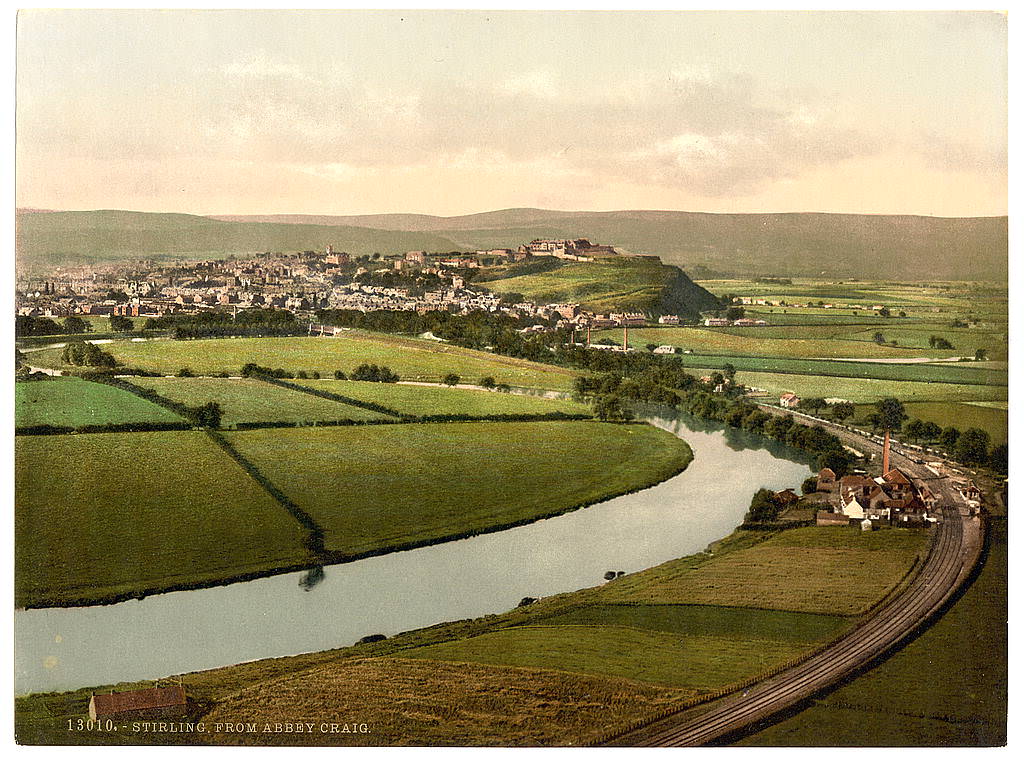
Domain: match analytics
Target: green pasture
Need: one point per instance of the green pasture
(410, 358)
(656, 657)
(822, 570)
(73, 402)
(742, 623)
(107, 515)
(419, 400)
(250, 400)
(380, 487)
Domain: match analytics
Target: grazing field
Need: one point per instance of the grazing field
(249, 400)
(422, 702)
(410, 358)
(72, 402)
(702, 621)
(107, 515)
(710, 341)
(960, 415)
(376, 487)
(824, 570)
(431, 401)
(863, 390)
(934, 692)
(657, 657)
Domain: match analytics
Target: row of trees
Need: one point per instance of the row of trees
(31, 325)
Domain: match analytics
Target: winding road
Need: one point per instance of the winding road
(954, 551)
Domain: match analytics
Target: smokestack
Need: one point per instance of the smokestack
(885, 454)
(625, 338)
(588, 335)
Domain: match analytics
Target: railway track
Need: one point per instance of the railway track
(952, 554)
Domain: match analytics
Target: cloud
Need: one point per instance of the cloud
(707, 132)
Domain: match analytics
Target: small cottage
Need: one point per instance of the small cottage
(157, 702)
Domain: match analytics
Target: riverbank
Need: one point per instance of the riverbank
(576, 632)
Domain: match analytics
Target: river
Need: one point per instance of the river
(67, 648)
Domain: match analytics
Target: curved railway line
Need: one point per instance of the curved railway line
(954, 551)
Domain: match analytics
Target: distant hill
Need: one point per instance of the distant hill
(789, 244)
(77, 238)
(799, 244)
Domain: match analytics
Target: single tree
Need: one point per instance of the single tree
(948, 438)
(450, 379)
(487, 382)
(120, 323)
(75, 325)
(972, 447)
(843, 411)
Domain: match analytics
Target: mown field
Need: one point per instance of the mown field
(373, 487)
(432, 401)
(100, 515)
(947, 688)
(249, 400)
(423, 702)
(68, 401)
(952, 414)
(410, 358)
(823, 570)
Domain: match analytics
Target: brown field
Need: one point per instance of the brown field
(824, 570)
(423, 702)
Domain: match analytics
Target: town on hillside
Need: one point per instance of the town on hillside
(304, 282)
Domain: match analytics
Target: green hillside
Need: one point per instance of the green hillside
(48, 239)
(609, 284)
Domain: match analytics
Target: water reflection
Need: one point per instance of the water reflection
(311, 577)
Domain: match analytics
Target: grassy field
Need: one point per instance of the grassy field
(111, 514)
(960, 415)
(935, 692)
(244, 400)
(824, 570)
(429, 401)
(704, 621)
(710, 341)
(377, 487)
(68, 401)
(863, 390)
(657, 657)
(410, 358)
(848, 369)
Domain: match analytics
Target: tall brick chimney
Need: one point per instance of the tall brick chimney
(625, 338)
(885, 454)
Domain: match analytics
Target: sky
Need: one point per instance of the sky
(449, 112)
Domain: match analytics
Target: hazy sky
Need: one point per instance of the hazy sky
(456, 112)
